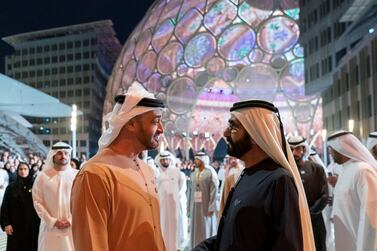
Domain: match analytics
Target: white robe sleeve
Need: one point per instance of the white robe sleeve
(213, 192)
(38, 201)
(367, 230)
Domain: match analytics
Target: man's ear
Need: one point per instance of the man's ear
(131, 125)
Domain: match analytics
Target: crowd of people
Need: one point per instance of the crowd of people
(269, 193)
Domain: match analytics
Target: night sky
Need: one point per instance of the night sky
(19, 16)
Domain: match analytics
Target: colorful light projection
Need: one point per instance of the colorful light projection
(201, 56)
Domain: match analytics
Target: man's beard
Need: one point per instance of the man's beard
(239, 148)
(165, 165)
(297, 160)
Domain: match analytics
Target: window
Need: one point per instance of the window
(86, 67)
(46, 48)
(78, 68)
(31, 50)
(62, 70)
(368, 67)
(61, 46)
(83, 143)
(86, 92)
(70, 81)
(39, 73)
(63, 130)
(32, 73)
(47, 72)
(77, 44)
(54, 71)
(357, 74)
(69, 57)
(32, 62)
(24, 63)
(69, 45)
(78, 80)
(70, 93)
(39, 61)
(86, 54)
(78, 92)
(25, 74)
(62, 82)
(78, 56)
(86, 42)
(55, 131)
(39, 49)
(46, 60)
(62, 94)
(54, 59)
(47, 143)
(61, 58)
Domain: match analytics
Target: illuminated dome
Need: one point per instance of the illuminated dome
(200, 56)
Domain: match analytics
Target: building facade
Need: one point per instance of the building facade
(353, 93)
(340, 60)
(73, 64)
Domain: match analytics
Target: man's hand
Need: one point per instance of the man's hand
(62, 224)
(8, 229)
(210, 213)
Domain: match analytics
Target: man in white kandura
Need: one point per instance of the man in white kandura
(171, 186)
(355, 200)
(203, 209)
(51, 198)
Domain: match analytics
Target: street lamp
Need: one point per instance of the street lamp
(73, 129)
(324, 138)
(351, 124)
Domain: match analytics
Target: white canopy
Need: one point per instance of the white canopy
(20, 98)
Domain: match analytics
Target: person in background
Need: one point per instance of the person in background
(314, 180)
(75, 163)
(18, 217)
(51, 197)
(171, 184)
(355, 201)
(4, 180)
(202, 201)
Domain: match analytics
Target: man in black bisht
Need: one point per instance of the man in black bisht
(315, 184)
(267, 208)
(18, 217)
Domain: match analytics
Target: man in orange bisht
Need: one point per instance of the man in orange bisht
(114, 202)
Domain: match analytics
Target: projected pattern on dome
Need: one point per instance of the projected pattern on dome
(181, 48)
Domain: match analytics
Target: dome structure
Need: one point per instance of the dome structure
(201, 56)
